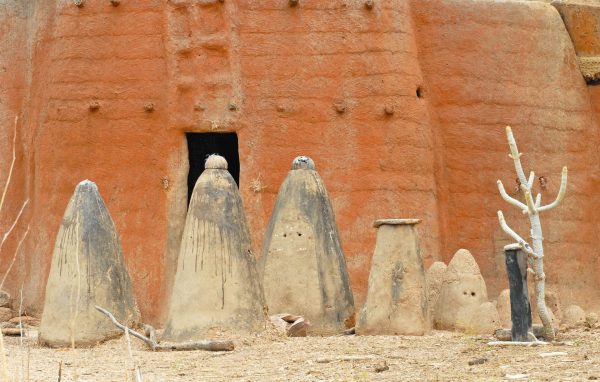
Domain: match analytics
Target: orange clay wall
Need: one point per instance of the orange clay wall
(402, 107)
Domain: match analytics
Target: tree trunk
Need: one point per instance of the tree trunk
(520, 308)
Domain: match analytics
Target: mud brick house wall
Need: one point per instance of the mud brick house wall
(402, 106)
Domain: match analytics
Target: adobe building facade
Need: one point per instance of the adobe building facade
(401, 103)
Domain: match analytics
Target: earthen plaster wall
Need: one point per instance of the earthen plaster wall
(314, 79)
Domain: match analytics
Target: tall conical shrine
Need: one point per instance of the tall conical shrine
(302, 263)
(216, 287)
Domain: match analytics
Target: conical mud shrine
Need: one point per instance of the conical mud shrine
(88, 269)
(405, 114)
(302, 263)
(217, 288)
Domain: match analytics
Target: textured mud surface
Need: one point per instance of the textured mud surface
(442, 356)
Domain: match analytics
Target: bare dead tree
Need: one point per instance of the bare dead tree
(532, 209)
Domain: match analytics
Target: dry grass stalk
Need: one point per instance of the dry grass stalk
(135, 368)
(7, 234)
(12, 262)
(12, 164)
(3, 361)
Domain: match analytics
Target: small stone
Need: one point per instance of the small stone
(381, 366)
(5, 314)
(369, 4)
(477, 361)
(4, 299)
(516, 376)
(294, 3)
(591, 319)
(115, 3)
(232, 107)
(574, 316)
(389, 109)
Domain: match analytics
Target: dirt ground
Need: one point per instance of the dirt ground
(441, 356)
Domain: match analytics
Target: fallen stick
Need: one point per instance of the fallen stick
(347, 358)
(180, 346)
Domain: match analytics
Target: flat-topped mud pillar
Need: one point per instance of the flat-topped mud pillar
(397, 296)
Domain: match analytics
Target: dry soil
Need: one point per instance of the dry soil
(441, 356)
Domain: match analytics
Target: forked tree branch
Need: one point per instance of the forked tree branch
(509, 198)
(515, 155)
(531, 179)
(154, 346)
(561, 192)
(509, 231)
(530, 203)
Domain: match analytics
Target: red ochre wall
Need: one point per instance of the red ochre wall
(277, 76)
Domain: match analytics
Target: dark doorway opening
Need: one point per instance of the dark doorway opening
(201, 145)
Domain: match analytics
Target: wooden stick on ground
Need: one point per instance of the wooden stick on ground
(183, 346)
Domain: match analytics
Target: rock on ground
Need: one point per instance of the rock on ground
(573, 316)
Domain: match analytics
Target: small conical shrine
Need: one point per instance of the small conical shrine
(216, 285)
(87, 270)
(303, 266)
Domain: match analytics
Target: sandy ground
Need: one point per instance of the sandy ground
(441, 356)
